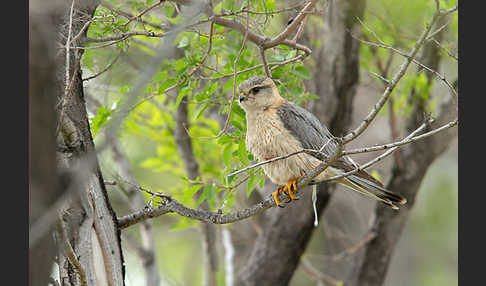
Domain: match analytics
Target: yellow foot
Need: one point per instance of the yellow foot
(287, 189)
(275, 195)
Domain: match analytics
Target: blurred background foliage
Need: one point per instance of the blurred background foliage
(427, 252)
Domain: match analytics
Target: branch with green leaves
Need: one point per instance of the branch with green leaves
(170, 205)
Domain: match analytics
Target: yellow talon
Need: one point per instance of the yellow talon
(275, 195)
(288, 189)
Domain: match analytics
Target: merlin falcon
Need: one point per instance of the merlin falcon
(277, 127)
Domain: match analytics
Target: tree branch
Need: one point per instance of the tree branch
(396, 78)
(170, 205)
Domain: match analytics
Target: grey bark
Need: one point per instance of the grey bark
(285, 236)
(89, 220)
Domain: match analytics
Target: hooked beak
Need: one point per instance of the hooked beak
(242, 96)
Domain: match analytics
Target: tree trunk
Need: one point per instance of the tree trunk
(88, 226)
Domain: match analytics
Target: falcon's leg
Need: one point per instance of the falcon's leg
(287, 189)
(275, 195)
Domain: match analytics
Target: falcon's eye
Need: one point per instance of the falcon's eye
(255, 90)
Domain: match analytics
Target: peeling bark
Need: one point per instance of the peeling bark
(91, 223)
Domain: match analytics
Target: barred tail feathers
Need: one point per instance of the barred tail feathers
(370, 189)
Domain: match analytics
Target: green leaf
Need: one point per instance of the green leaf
(184, 42)
(193, 189)
(251, 184)
(87, 59)
(179, 98)
(227, 154)
(242, 154)
(225, 139)
(237, 124)
(228, 4)
(209, 193)
(237, 110)
(101, 118)
(302, 72)
(151, 162)
(199, 110)
(261, 181)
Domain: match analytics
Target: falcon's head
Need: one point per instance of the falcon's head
(258, 93)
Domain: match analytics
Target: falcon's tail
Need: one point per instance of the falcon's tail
(373, 190)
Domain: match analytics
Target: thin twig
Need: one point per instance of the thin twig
(105, 69)
(124, 36)
(379, 158)
(232, 101)
(290, 28)
(68, 79)
(357, 246)
(405, 141)
(316, 274)
(168, 204)
(441, 77)
(273, 65)
(398, 76)
(68, 46)
(139, 16)
(265, 63)
(445, 49)
(129, 15)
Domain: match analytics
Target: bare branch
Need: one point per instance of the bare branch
(170, 205)
(121, 37)
(265, 42)
(377, 159)
(396, 78)
(139, 16)
(441, 77)
(68, 46)
(402, 142)
(318, 275)
(358, 245)
(290, 28)
(273, 64)
(105, 69)
(129, 15)
(265, 63)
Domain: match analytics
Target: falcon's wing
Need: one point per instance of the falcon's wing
(313, 135)
(305, 127)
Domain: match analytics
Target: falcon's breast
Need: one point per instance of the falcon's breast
(267, 138)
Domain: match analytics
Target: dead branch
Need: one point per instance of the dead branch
(396, 78)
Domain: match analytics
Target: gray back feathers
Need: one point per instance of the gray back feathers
(305, 127)
(311, 134)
